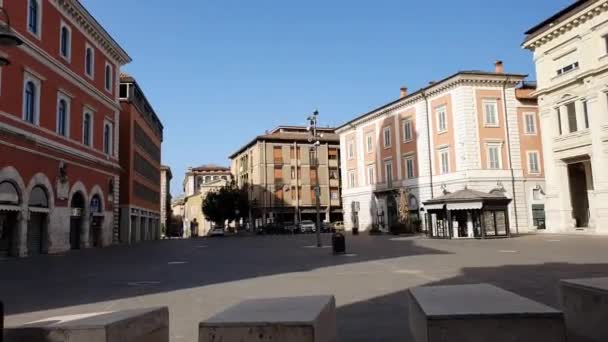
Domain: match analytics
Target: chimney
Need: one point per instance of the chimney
(499, 67)
(403, 92)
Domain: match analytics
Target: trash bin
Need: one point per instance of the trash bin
(338, 243)
(355, 230)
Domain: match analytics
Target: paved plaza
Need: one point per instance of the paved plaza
(197, 278)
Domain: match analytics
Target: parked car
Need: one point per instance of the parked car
(339, 226)
(327, 227)
(217, 231)
(308, 226)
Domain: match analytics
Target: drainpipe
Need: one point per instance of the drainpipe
(428, 141)
(504, 103)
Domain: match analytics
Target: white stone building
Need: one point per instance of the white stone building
(571, 55)
(472, 129)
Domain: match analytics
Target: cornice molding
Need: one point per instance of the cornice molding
(80, 15)
(566, 26)
(440, 88)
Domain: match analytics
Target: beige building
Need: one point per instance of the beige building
(571, 55)
(199, 181)
(281, 173)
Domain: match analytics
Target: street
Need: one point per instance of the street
(197, 278)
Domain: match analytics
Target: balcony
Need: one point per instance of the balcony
(333, 163)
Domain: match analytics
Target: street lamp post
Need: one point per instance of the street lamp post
(314, 139)
(7, 37)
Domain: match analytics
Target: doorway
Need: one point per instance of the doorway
(76, 220)
(577, 179)
(8, 227)
(37, 224)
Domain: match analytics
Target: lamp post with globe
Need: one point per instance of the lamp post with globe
(7, 37)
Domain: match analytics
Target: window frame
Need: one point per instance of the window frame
(441, 152)
(27, 77)
(68, 55)
(407, 122)
(386, 130)
(369, 143)
(528, 159)
(352, 179)
(371, 174)
(350, 149)
(108, 82)
(91, 130)
(569, 117)
(89, 47)
(110, 141)
(489, 161)
(63, 97)
(38, 32)
(493, 103)
(408, 159)
(441, 110)
(534, 123)
(388, 180)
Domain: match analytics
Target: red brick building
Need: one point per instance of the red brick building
(141, 135)
(59, 122)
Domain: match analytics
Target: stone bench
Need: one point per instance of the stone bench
(138, 325)
(481, 313)
(293, 319)
(585, 305)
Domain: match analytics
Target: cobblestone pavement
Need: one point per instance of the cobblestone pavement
(197, 278)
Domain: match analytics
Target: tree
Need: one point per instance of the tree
(228, 204)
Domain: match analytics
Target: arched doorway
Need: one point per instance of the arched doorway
(38, 205)
(96, 210)
(10, 207)
(76, 219)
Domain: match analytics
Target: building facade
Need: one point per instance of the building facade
(59, 121)
(571, 55)
(198, 182)
(165, 196)
(141, 136)
(281, 171)
(474, 129)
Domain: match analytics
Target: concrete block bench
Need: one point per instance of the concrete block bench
(481, 313)
(293, 319)
(138, 325)
(585, 305)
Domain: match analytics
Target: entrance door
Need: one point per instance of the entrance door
(35, 233)
(8, 222)
(133, 229)
(578, 194)
(96, 231)
(75, 224)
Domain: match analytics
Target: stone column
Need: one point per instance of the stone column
(590, 193)
(19, 245)
(563, 114)
(85, 231)
(567, 222)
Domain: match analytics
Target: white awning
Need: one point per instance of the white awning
(465, 206)
(433, 206)
(39, 210)
(9, 208)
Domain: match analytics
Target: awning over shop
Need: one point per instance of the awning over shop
(434, 206)
(465, 206)
(9, 208)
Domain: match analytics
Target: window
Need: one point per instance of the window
(490, 108)
(65, 41)
(533, 162)
(89, 62)
(351, 150)
(586, 113)
(278, 174)
(108, 79)
(444, 156)
(277, 154)
(333, 173)
(33, 17)
(369, 144)
(494, 156)
(87, 129)
(571, 111)
(387, 137)
(530, 123)
(293, 172)
(107, 138)
(313, 176)
(388, 172)
(335, 194)
(407, 130)
(605, 38)
(332, 154)
(31, 102)
(351, 179)
(370, 175)
(567, 68)
(442, 124)
(409, 167)
(63, 115)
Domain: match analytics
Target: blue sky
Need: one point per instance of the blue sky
(219, 72)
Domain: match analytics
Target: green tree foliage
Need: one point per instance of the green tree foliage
(226, 205)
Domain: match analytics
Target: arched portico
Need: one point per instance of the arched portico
(13, 223)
